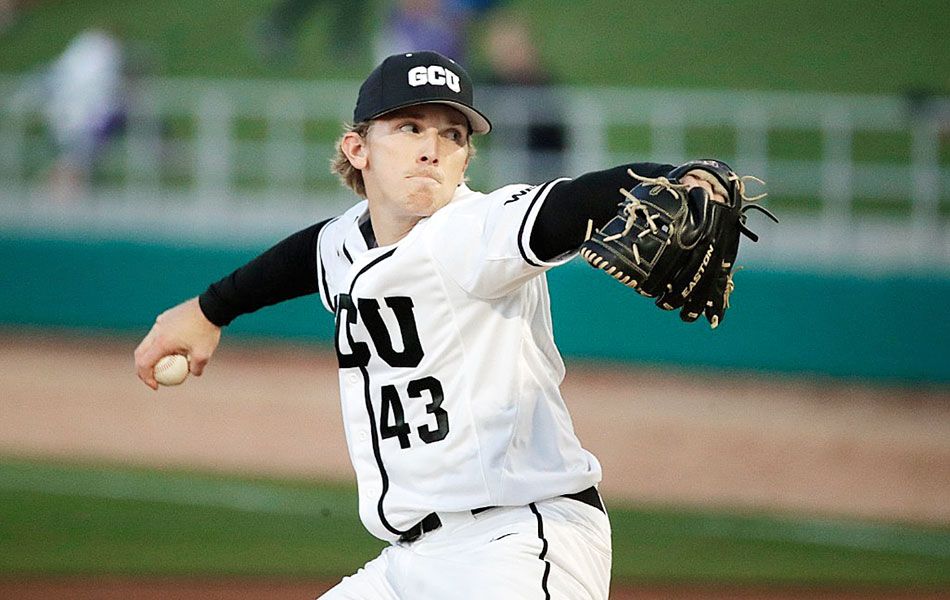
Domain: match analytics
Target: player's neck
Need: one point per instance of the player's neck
(389, 229)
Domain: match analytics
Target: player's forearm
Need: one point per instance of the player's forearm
(285, 271)
(562, 221)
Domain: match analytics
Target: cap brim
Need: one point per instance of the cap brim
(479, 122)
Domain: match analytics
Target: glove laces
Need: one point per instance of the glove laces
(632, 206)
(740, 183)
(659, 183)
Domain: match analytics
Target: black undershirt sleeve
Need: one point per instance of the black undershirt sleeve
(285, 271)
(562, 220)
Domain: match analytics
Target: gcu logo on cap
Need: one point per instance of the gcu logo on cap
(434, 75)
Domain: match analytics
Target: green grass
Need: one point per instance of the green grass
(882, 146)
(634, 139)
(784, 205)
(841, 46)
(69, 520)
(798, 144)
(57, 519)
(676, 545)
(710, 141)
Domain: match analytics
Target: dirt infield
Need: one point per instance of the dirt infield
(672, 438)
(814, 447)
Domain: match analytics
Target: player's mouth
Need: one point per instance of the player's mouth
(425, 175)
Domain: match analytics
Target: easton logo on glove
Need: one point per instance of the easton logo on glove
(675, 242)
(699, 274)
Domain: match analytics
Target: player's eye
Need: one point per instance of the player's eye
(456, 135)
(409, 128)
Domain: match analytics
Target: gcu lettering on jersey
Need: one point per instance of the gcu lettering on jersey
(434, 75)
(368, 310)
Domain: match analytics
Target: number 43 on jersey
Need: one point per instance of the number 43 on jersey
(392, 419)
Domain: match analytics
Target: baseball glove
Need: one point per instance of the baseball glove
(675, 244)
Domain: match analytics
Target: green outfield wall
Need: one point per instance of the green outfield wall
(883, 327)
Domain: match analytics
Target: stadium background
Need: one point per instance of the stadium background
(804, 444)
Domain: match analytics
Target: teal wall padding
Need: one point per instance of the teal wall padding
(122, 286)
(888, 327)
(879, 327)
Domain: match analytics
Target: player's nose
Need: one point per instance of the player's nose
(429, 146)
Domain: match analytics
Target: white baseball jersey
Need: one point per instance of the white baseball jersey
(449, 376)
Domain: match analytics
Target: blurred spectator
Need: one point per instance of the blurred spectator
(414, 25)
(438, 25)
(408, 26)
(515, 67)
(276, 33)
(85, 106)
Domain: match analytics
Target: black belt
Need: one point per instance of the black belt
(432, 522)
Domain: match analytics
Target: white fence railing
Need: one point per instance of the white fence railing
(865, 179)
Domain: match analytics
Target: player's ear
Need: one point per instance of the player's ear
(354, 148)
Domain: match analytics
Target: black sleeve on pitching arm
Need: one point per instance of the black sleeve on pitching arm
(562, 220)
(285, 271)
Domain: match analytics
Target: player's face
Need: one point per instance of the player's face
(415, 159)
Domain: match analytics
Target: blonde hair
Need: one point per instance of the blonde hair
(340, 164)
(352, 177)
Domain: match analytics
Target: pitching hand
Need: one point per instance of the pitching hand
(183, 329)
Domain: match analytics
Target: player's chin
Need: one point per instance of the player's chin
(423, 202)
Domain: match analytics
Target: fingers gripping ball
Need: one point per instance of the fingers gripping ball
(676, 242)
(171, 369)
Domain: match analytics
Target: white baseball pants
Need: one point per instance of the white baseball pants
(554, 549)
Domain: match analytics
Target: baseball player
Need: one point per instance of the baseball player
(465, 456)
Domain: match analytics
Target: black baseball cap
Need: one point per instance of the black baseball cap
(418, 78)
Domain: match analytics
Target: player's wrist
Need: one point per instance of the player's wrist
(214, 309)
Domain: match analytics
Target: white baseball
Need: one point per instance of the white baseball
(171, 369)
